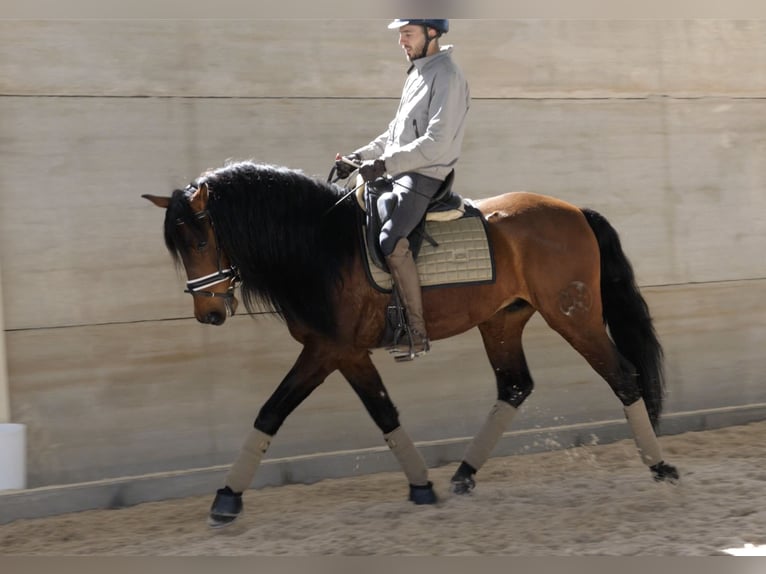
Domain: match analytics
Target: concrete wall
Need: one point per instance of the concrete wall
(660, 125)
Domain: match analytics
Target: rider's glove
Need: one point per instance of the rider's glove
(342, 166)
(372, 169)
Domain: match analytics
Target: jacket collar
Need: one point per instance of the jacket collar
(421, 63)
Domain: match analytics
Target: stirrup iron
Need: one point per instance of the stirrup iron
(410, 353)
(403, 342)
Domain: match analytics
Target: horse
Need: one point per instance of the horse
(290, 242)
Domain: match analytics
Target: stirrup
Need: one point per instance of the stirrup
(412, 350)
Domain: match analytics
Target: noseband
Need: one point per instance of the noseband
(200, 286)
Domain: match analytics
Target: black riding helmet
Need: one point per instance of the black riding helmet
(441, 27)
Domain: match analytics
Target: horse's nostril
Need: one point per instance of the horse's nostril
(215, 318)
(212, 318)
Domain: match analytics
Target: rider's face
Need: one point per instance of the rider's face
(412, 39)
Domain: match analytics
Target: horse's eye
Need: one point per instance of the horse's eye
(201, 245)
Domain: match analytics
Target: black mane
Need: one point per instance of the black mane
(280, 229)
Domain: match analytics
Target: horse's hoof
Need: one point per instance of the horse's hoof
(663, 472)
(462, 481)
(225, 509)
(423, 494)
(462, 484)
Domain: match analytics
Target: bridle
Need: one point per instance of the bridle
(200, 285)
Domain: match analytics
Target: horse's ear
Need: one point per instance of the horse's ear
(157, 200)
(203, 192)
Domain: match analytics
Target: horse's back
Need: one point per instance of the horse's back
(544, 241)
(534, 214)
(515, 203)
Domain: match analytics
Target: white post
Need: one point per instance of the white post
(5, 402)
(12, 436)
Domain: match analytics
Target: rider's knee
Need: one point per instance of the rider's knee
(388, 242)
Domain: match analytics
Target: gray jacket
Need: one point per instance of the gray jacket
(427, 133)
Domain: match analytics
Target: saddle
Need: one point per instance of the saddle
(450, 244)
(445, 205)
(450, 247)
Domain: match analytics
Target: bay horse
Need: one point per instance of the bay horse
(291, 242)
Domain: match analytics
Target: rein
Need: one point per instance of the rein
(332, 178)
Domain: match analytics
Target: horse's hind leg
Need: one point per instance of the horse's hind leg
(502, 341)
(364, 378)
(311, 368)
(588, 337)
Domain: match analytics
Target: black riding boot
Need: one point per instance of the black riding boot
(405, 274)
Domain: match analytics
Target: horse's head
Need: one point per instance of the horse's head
(191, 238)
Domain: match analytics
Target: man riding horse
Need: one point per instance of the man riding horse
(551, 257)
(418, 150)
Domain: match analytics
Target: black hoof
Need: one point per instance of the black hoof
(462, 484)
(423, 494)
(226, 507)
(462, 481)
(663, 472)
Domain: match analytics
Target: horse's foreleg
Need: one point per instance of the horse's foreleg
(242, 472)
(307, 374)
(364, 378)
(502, 340)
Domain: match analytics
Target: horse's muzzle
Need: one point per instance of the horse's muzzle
(212, 318)
(216, 316)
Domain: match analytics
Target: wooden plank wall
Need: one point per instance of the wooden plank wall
(660, 125)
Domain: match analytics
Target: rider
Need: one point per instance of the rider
(418, 150)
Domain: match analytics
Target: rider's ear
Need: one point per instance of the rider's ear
(157, 200)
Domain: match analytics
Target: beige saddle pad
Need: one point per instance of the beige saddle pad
(462, 256)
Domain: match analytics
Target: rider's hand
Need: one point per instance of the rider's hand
(372, 169)
(343, 167)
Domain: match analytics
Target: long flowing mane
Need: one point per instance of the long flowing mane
(284, 233)
(280, 228)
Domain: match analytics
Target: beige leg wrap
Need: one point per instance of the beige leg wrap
(410, 459)
(643, 433)
(498, 421)
(243, 470)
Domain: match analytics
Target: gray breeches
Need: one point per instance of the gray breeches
(402, 208)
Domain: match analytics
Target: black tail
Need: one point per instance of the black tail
(626, 314)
